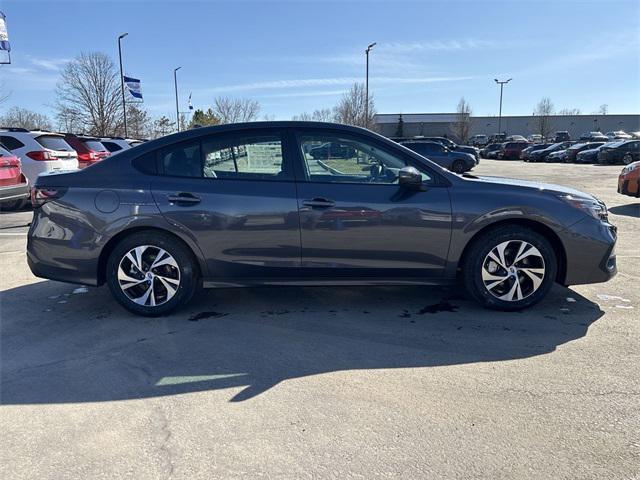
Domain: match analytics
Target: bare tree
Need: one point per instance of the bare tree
(234, 110)
(569, 111)
(162, 126)
(462, 125)
(138, 122)
(543, 112)
(69, 120)
(4, 93)
(89, 91)
(321, 115)
(603, 109)
(351, 107)
(23, 118)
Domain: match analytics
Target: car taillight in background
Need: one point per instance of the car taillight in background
(42, 195)
(41, 155)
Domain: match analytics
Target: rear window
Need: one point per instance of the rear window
(94, 145)
(4, 152)
(54, 143)
(112, 147)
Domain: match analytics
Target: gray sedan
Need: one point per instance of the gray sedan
(458, 162)
(246, 204)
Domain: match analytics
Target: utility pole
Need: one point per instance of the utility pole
(175, 84)
(366, 87)
(502, 84)
(124, 107)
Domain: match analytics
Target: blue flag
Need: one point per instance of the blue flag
(133, 86)
(4, 35)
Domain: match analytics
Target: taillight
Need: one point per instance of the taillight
(41, 155)
(9, 162)
(88, 157)
(42, 195)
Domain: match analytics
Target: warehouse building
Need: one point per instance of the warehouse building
(441, 124)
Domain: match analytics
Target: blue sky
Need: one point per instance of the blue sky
(296, 56)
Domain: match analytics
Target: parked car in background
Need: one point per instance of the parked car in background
(623, 151)
(332, 150)
(491, 149)
(454, 146)
(156, 229)
(14, 186)
(479, 140)
(541, 155)
(561, 136)
(524, 155)
(498, 138)
(512, 150)
(115, 144)
(458, 162)
(556, 157)
(516, 138)
(535, 138)
(594, 137)
(573, 151)
(90, 150)
(618, 135)
(629, 180)
(39, 151)
(590, 155)
(635, 135)
(134, 142)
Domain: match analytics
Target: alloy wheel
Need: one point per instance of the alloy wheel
(513, 270)
(148, 275)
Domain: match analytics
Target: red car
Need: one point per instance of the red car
(14, 187)
(89, 149)
(511, 150)
(629, 180)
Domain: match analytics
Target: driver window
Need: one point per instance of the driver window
(330, 158)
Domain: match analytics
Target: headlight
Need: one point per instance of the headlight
(594, 208)
(630, 168)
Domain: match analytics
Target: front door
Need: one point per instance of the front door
(235, 195)
(356, 221)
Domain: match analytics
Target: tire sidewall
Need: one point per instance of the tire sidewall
(473, 267)
(188, 272)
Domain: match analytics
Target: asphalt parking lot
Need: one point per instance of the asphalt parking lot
(384, 382)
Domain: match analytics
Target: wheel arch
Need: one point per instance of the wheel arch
(113, 241)
(537, 227)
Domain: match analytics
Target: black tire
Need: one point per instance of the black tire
(627, 159)
(188, 278)
(472, 270)
(458, 167)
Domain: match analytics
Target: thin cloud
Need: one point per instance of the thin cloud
(52, 64)
(323, 82)
(437, 46)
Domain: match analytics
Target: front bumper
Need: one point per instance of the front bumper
(590, 252)
(629, 186)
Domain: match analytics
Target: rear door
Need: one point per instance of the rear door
(356, 221)
(235, 195)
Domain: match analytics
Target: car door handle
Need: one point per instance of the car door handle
(183, 198)
(318, 203)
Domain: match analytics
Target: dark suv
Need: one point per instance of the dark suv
(246, 204)
(458, 162)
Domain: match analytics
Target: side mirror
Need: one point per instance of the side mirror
(409, 177)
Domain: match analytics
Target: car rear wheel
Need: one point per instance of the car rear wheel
(151, 273)
(627, 159)
(510, 268)
(458, 166)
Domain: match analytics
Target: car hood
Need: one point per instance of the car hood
(539, 186)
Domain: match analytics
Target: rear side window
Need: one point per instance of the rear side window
(182, 159)
(54, 143)
(147, 163)
(111, 146)
(11, 143)
(4, 152)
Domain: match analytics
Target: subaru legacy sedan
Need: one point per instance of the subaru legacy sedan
(248, 204)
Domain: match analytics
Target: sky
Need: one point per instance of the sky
(296, 56)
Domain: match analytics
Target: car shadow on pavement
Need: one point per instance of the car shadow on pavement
(630, 210)
(61, 344)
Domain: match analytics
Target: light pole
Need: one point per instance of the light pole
(124, 108)
(175, 84)
(502, 84)
(366, 87)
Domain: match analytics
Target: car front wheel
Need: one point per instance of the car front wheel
(151, 273)
(458, 166)
(627, 159)
(510, 268)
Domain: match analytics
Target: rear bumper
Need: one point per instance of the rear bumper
(590, 252)
(14, 192)
(629, 187)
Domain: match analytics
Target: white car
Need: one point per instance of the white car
(39, 152)
(115, 144)
(478, 140)
(619, 135)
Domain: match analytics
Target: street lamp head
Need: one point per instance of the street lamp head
(509, 80)
(496, 80)
(122, 36)
(176, 69)
(371, 46)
